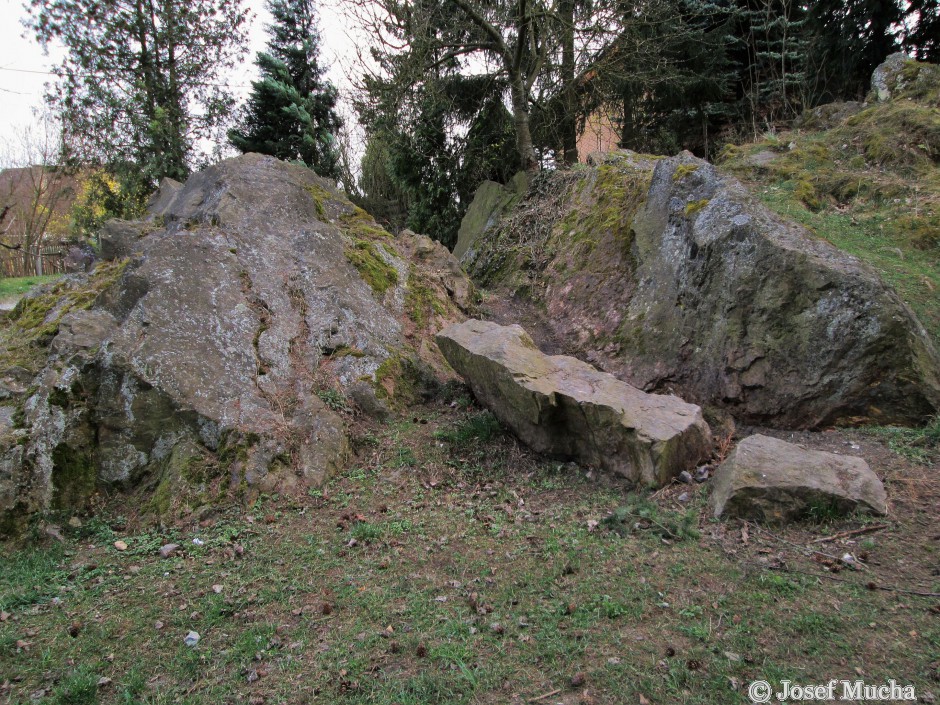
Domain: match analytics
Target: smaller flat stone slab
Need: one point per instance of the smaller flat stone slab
(769, 480)
(565, 407)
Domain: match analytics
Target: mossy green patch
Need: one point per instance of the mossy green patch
(360, 225)
(374, 270)
(184, 480)
(903, 135)
(34, 322)
(345, 351)
(606, 205)
(74, 478)
(684, 170)
(806, 193)
(693, 207)
(351, 219)
(320, 198)
(921, 82)
(420, 301)
(404, 379)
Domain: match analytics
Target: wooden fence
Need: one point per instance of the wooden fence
(46, 259)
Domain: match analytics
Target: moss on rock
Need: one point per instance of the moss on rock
(374, 270)
(31, 326)
(74, 478)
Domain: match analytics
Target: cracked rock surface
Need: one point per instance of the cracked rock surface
(248, 292)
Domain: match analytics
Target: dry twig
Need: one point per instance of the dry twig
(856, 532)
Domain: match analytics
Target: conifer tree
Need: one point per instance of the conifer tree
(923, 40)
(140, 84)
(291, 112)
(849, 38)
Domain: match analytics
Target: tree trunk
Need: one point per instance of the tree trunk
(569, 119)
(628, 130)
(520, 112)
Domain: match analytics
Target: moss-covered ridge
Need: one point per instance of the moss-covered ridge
(869, 184)
(26, 332)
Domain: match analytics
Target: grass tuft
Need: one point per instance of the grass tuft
(918, 444)
(640, 514)
(476, 428)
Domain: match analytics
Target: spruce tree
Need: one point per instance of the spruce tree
(923, 39)
(291, 113)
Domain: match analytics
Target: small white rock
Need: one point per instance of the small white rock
(191, 639)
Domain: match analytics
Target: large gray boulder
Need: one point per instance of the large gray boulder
(489, 202)
(769, 480)
(564, 407)
(191, 366)
(671, 275)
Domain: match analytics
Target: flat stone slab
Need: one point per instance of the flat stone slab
(564, 407)
(766, 479)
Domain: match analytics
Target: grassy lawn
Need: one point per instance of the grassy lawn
(11, 287)
(452, 566)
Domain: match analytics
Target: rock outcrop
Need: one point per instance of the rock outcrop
(668, 274)
(564, 407)
(901, 76)
(197, 362)
(489, 203)
(769, 480)
(887, 76)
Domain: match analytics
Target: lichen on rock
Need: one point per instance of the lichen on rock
(196, 368)
(669, 274)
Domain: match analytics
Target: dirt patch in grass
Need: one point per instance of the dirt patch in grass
(451, 565)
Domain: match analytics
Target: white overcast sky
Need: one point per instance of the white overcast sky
(24, 67)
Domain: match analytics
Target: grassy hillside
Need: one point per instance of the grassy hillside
(868, 182)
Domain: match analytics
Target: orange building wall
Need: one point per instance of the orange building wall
(600, 135)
